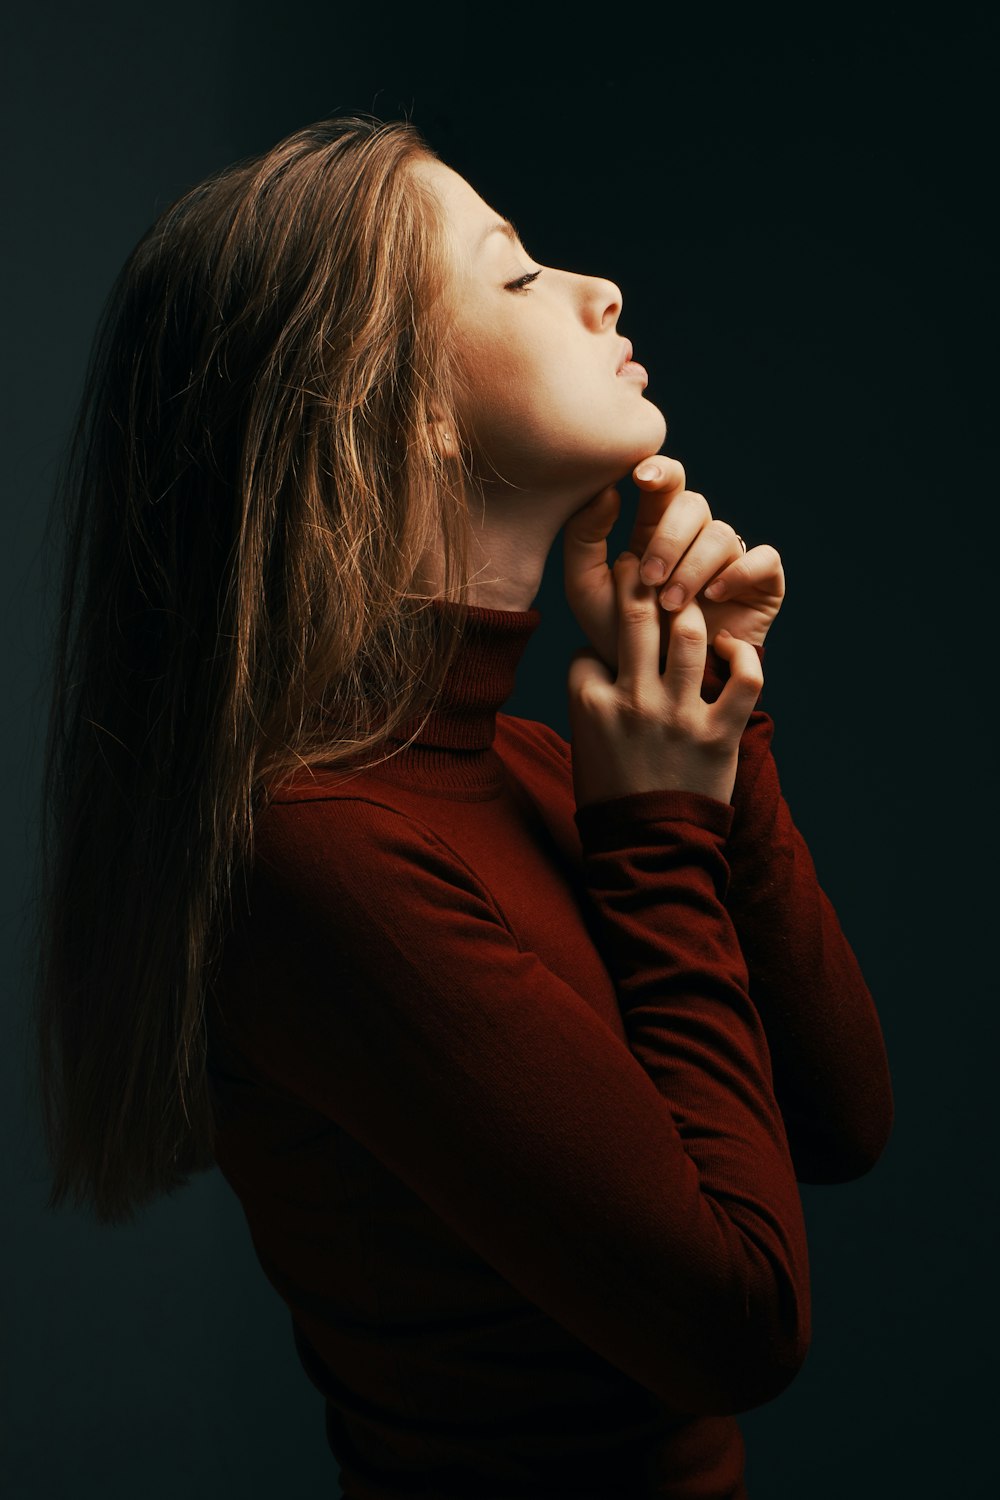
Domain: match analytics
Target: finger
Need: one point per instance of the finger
(735, 703)
(667, 535)
(638, 624)
(714, 546)
(585, 541)
(659, 472)
(760, 568)
(687, 653)
(590, 523)
(657, 490)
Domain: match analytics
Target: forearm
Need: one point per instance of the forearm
(831, 1072)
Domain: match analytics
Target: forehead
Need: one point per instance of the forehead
(466, 215)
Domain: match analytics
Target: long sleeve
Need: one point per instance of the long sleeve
(831, 1071)
(641, 1195)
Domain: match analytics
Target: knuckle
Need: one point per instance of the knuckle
(717, 739)
(637, 611)
(677, 726)
(591, 696)
(736, 575)
(665, 545)
(726, 529)
(750, 677)
(633, 704)
(687, 632)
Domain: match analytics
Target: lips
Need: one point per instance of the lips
(626, 356)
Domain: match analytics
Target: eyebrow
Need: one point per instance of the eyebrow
(503, 226)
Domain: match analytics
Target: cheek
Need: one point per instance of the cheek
(525, 396)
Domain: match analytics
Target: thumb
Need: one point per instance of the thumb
(591, 523)
(585, 545)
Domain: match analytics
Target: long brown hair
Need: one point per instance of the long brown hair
(249, 487)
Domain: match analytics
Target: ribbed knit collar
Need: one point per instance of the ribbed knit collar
(454, 750)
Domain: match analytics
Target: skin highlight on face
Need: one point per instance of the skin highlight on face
(545, 418)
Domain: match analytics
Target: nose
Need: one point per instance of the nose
(602, 301)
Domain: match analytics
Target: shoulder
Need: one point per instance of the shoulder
(339, 818)
(532, 738)
(345, 840)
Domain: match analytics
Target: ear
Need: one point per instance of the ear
(442, 430)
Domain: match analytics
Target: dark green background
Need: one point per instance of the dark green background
(795, 205)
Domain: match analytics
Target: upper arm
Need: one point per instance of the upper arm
(411, 1015)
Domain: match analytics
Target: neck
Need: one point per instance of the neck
(455, 749)
(513, 534)
(509, 576)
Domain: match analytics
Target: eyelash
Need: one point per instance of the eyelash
(521, 284)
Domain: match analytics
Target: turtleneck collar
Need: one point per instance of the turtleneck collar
(454, 750)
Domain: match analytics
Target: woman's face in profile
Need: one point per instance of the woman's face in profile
(538, 352)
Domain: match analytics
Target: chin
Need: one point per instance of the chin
(657, 428)
(649, 437)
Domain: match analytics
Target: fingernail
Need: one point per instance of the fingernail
(715, 590)
(653, 570)
(648, 471)
(672, 597)
(622, 555)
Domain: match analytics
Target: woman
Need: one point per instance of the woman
(513, 1051)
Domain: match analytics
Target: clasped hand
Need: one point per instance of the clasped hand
(698, 553)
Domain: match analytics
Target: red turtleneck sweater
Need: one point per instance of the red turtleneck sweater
(515, 1097)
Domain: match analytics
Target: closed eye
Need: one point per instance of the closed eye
(522, 282)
